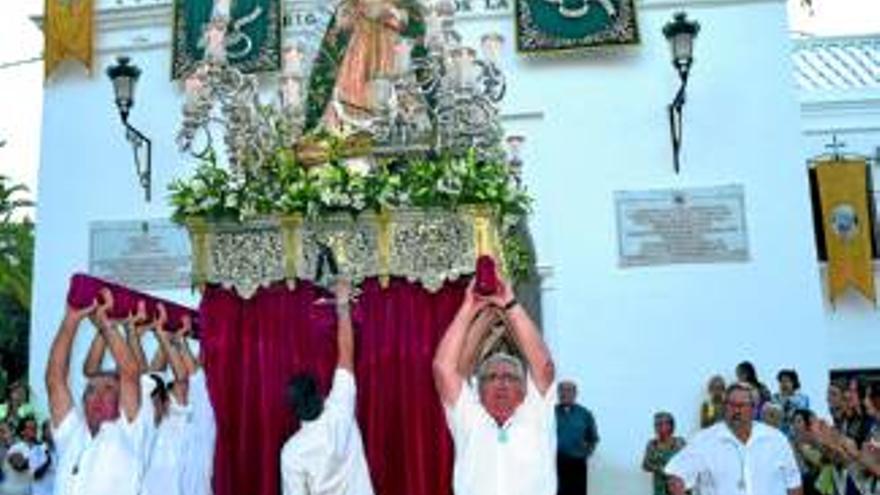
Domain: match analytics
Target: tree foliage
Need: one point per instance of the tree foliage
(16, 268)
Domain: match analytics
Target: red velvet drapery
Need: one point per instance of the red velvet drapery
(251, 347)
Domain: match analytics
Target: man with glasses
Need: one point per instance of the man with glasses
(736, 457)
(505, 430)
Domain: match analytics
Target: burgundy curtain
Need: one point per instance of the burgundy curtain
(251, 348)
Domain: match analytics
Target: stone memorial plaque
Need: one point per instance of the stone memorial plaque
(697, 225)
(145, 255)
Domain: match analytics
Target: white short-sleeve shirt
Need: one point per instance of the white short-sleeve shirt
(108, 463)
(518, 458)
(198, 455)
(717, 463)
(326, 456)
(164, 468)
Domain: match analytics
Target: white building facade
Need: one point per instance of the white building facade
(637, 340)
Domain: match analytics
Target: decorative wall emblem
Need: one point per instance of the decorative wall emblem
(252, 38)
(845, 221)
(560, 25)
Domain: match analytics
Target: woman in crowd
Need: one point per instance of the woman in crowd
(854, 423)
(745, 372)
(660, 449)
(712, 409)
(789, 397)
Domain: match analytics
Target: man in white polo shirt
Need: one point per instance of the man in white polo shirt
(326, 455)
(505, 430)
(738, 456)
(99, 447)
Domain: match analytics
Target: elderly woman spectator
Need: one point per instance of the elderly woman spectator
(660, 449)
(712, 409)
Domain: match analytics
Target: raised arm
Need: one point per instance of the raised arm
(475, 337)
(159, 361)
(447, 377)
(527, 336)
(58, 367)
(189, 359)
(135, 327)
(344, 328)
(171, 347)
(126, 364)
(95, 357)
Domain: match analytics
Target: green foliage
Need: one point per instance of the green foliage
(285, 187)
(16, 267)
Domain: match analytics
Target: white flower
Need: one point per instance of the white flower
(359, 166)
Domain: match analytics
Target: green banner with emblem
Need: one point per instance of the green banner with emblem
(561, 25)
(253, 36)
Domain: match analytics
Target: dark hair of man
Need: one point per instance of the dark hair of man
(792, 376)
(305, 397)
(161, 390)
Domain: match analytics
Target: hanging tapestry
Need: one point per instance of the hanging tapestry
(846, 222)
(69, 33)
(562, 25)
(253, 37)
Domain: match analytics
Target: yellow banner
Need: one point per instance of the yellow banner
(843, 195)
(68, 33)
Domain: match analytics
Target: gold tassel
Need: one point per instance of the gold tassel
(384, 247)
(292, 247)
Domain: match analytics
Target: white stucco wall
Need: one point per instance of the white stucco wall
(636, 340)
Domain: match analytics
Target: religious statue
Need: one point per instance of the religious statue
(361, 45)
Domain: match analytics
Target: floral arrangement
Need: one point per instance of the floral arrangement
(284, 186)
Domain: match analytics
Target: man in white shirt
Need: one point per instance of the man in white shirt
(100, 446)
(198, 453)
(163, 473)
(738, 456)
(505, 431)
(326, 455)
